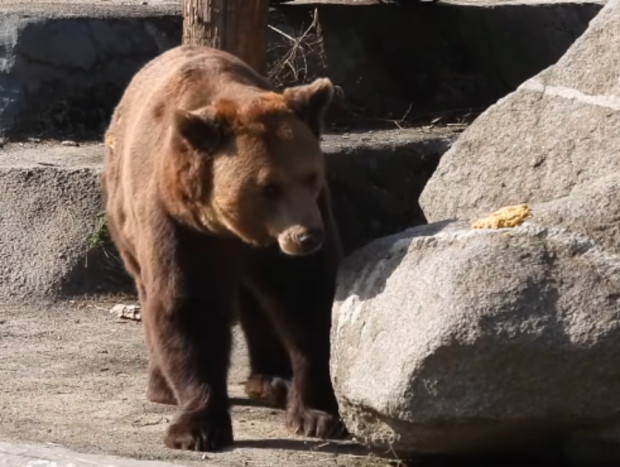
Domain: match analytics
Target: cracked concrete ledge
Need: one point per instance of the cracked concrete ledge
(53, 241)
(91, 9)
(66, 73)
(50, 455)
(65, 64)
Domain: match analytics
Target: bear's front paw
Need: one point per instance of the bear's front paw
(199, 431)
(271, 390)
(314, 423)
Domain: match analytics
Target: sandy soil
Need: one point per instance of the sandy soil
(74, 375)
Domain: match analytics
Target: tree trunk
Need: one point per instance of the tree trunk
(236, 26)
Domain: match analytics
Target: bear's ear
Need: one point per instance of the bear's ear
(310, 102)
(205, 129)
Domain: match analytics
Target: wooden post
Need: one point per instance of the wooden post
(236, 26)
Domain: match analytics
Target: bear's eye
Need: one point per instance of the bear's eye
(272, 190)
(311, 179)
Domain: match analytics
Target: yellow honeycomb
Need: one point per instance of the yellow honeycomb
(509, 216)
(109, 140)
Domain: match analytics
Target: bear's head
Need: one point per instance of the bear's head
(252, 167)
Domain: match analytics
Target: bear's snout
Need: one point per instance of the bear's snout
(311, 240)
(298, 241)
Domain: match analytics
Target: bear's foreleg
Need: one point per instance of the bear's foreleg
(189, 347)
(297, 296)
(311, 406)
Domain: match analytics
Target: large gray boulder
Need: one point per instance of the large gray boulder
(447, 339)
(559, 129)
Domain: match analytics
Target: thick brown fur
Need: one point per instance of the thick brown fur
(216, 198)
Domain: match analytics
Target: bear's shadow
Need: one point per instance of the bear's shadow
(343, 446)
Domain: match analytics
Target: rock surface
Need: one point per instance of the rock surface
(559, 129)
(447, 339)
(591, 209)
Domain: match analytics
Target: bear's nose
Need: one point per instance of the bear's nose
(311, 239)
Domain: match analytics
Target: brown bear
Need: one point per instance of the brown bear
(216, 198)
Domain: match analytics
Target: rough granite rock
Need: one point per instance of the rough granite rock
(447, 339)
(591, 209)
(559, 129)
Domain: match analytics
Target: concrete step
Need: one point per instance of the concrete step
(53, 240)
(14, 454)
(65, 63)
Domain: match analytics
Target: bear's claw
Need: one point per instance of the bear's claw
(315, 424)
(200, 432)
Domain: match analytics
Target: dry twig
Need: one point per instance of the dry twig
(292, 66)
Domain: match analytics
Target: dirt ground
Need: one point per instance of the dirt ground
(74, 375)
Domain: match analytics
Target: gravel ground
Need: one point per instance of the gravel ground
(73, 374)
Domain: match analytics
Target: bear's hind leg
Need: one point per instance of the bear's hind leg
(270, 366)
(158, 391)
